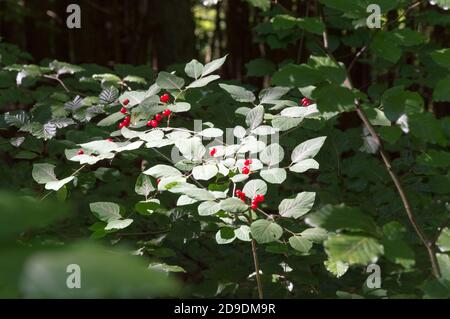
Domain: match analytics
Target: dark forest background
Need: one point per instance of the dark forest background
(161, 33)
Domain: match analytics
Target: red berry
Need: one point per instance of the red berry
(123, 110)
(167, 113)
(248, 162)
(122, 124)
(80, 152)
(158, 117)
(242, 197)
(306, 102)
(165, 98)
(238, 192)
(152, 123)
(254, 206)
(109, 139)
(126, 102)
(259, 198)
(127, 119)
(246, 170)
(213, 152)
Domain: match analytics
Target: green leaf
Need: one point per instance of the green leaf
(299, 243)
(272, 154)
(233, 205)
(441, 57)
(294, 75)
(273, 94)
(64, 68)
(192, 148)
(100, 147)
(107, 79)
(135, 79)
(44, 173)
(443, 241)
(284, 123)
(407, 37)
(274, 175)
(238, 93)
(203, 81)
(255, 187)
(26, 155)
(109, 95)
(307, 149)
(147, 207)
(106, 211)
(225, 236)
(211, 132)
(162, 171)
(143, 185)
(260, 67)
(208, 208)
(105, 273)
(309, 24)
(261, 4)
(161, 267)
(316, 235)
(396, 101)
(194, 69)
(169, 81)
(297, 207)
(111, 119)
(329, 69)
(57, 185)
(304, 166)
(243, 233)
(118, 224)
(264, 231)
(333, 98)
(441, 92)
(385, 45)
(179, 107)
(337, 268)
(205, 172)
(342, 217)
(399, 252)
(255, 117)
(353, 249)
(213, 66)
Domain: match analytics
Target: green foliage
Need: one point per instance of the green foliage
(329, 209)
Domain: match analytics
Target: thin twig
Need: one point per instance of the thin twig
(258, 275)
(429, 245)
(56, 78)
(256, 262)
(73, 174)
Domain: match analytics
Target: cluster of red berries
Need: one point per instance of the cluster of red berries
(306, 102)
(255, 202)
(158, 118)
(240, 194)
(246, 168)
(127, 120)
(165, 98)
